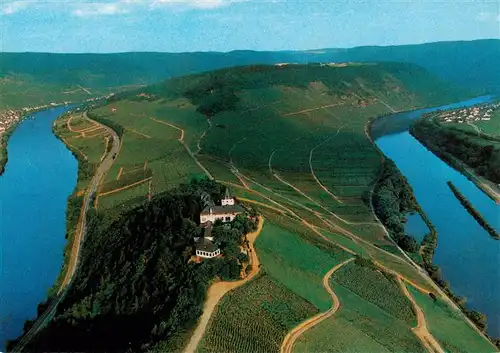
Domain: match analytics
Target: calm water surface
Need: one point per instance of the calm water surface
(416, 227)
(40, 175)
(468, 256)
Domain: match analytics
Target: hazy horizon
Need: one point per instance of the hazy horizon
(177, 26)
(253, 50)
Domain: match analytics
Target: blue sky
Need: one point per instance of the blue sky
(224, 25)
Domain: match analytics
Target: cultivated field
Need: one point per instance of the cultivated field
(359, 326)
(255, 318)
(369, 283)
(154, 153)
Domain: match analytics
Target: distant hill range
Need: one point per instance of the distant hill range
(36, 77)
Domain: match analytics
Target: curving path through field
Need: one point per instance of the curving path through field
(349, 234)
(219, 289)
(292, 336)
(188, 150)
(421, 331)
(283, 209)
(320, 184)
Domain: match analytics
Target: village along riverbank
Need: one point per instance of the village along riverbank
(466, 254)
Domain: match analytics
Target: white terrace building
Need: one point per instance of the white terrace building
(207, 249)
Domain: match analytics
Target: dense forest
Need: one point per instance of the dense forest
(393, 199)
(136, 289)
(457, 146)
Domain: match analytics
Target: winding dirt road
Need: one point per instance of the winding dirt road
(421, 331)
(219, 289)
(292, 336)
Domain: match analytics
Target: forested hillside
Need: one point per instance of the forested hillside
(34, 78)
(135, 286)
(461, 148)
(472, 64)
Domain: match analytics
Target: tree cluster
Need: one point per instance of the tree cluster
(393, 199)
(110, 123)
(212, 96)
(450, 144)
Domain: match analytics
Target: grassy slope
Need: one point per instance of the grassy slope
(369, 284)
(346, 163)
(149, 148)
(293, 261)
(20, 91)
(448, 326)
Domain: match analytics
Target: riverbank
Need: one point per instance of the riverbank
(76, 219)
(393, 199)
(428, 132)
(3, 147)
(473, 212)
(27, 111)
(23, 114)
(429, 244)
(40, 175)
(74, 210)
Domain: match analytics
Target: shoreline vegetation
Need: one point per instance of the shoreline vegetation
(441, 141)
(4, 157)
(27, 111)
(473, 212)
(74, 207)
(427, 247)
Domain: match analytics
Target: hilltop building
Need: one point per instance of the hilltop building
(207, 249)
(205, 246)
(226, 212)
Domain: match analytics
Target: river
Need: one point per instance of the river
(40, 175)
(468, 256)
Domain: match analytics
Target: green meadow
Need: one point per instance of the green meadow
(449, 327)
